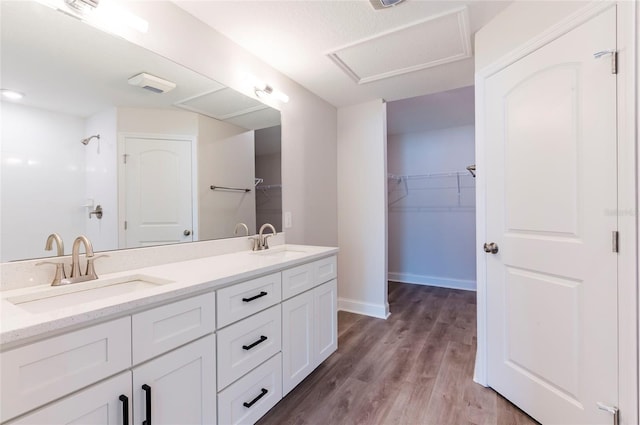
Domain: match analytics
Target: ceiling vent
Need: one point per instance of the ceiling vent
(384, 4)
(82, 5)
(151, 83)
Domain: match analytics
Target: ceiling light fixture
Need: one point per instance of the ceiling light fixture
(11, 94)
(384, 4)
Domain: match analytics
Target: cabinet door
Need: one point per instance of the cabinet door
(325, 304)
(103, 403)
(178, 387)
(298, 359)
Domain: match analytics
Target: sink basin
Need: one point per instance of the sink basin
(56, 297)
(282, 252)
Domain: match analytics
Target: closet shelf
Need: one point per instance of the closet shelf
(431, 191)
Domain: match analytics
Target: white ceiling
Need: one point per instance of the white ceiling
(418, 47)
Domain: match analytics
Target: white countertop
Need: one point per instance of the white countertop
(18, 325)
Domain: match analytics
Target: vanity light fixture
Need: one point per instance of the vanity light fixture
(11, 94)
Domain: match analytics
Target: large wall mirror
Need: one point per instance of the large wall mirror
(89, 150)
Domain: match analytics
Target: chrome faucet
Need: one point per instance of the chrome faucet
(262, 239)
(60, 272)
(241, 225)
(90, 273)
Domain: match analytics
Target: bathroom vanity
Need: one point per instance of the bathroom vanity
(219, 339)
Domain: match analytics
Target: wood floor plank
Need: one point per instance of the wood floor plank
(415, 368)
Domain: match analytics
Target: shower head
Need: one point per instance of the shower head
(88, 139)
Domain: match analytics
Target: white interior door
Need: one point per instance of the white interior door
(158, 200)
(550, 180)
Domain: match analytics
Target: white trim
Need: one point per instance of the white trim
(374, 310)
(441, 282)
(463, 27)
(627, 206)
(628, 264)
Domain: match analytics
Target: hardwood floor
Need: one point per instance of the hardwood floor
(414, 368)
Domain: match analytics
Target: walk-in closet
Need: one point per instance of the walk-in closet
(431, 189)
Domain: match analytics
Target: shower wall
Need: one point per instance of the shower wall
(42, 179)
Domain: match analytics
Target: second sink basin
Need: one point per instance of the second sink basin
(53, 298)
(282, 252)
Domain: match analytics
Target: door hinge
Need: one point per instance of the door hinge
(124, 158)
(614, 58)
(611, 409)
(615, 241)
(125, 225)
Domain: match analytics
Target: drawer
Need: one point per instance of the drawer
(244, 299)
(44, 371)
(260, 390)
(297, 280)
(325, 269)
(164, 328)
(302, 278)
(245, 344)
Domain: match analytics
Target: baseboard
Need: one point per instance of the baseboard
(466, 285)
(374, 310)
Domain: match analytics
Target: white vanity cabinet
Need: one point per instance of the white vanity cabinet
(180, 376)
(225, 356)
(309, 320)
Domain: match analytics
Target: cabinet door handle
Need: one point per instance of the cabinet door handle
(255, 297)
(260, 341)
(125, 409)
(263, 392)
(147, 390)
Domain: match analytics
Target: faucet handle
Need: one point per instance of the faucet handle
(60, 271)
(265, 242)
(91, 271)
(255, 241)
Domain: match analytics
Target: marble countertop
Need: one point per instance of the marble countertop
(17, 325)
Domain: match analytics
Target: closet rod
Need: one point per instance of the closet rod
(231, 189)
(269, 186)
(427, 176)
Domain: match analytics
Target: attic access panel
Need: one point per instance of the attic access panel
(435, 41)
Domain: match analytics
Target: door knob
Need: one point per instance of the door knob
(491, 248)
(186, 232)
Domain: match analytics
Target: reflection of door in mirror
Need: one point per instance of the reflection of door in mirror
(157, 204)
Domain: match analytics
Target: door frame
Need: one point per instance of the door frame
(122, 137)
(628, 15)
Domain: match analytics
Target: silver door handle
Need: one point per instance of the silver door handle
(491, 248)
(186, 232)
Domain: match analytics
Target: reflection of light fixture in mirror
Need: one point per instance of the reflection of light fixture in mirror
(109, 15)
(11, 95)
(383, 4)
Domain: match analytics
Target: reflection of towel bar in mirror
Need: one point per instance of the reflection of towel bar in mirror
(232, 189)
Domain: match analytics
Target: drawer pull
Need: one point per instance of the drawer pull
(255, 297)
(125, 409)
(263, 392)
(147, 390)
(260, 341)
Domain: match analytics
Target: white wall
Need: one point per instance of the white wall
(226, 162)
(517, 25)
(362, 209)
(431, 227)
(101, 179)
(308, 122)
(43, 179)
